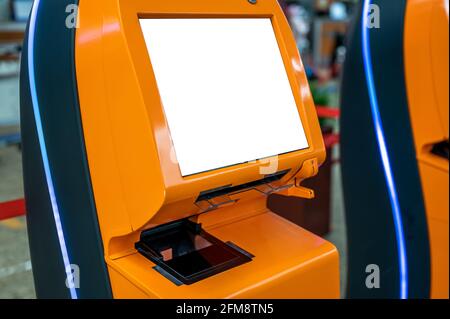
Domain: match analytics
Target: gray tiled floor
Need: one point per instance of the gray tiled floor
(16, 280)
(337, 235)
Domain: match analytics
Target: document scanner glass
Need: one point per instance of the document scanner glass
(185, 253)
(224, 89)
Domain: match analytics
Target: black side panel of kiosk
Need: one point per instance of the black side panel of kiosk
(371, 232)
(57, 98)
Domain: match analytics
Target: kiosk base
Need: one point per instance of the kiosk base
(289, 262)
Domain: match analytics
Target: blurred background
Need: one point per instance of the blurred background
(320, 28)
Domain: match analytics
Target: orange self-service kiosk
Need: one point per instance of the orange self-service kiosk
(161, 129)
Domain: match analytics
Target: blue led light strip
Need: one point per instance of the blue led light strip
(37, 118)
(384, 153)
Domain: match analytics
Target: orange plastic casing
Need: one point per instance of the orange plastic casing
(138, 186)
(426, 68)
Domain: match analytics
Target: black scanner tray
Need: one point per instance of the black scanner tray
(184, 253)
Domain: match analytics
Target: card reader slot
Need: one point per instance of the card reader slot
(228, 189)
(441, 149)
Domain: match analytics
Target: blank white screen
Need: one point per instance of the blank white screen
(224, 89)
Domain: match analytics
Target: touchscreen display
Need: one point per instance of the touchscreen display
(224, 89)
